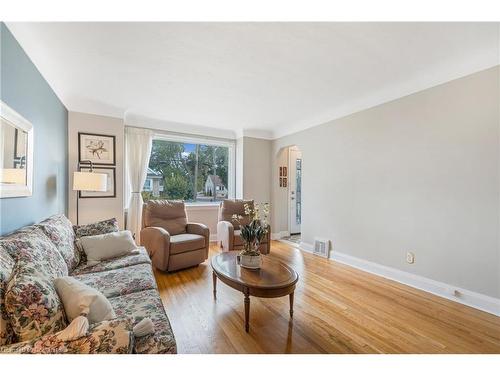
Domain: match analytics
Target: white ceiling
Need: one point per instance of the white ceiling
(259, 79)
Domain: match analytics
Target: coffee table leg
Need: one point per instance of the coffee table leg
(290, 296)
(247, 309)
(214, 277)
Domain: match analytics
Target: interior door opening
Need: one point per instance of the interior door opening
(295, 192)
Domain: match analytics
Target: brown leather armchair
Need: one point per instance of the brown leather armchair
(228, 229)
(171, 241)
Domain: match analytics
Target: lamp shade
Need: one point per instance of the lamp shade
(89, 181)
(15, 176)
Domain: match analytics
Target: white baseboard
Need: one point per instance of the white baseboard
(213, 237)
(451, 292)
(279, 235)
(306, 247)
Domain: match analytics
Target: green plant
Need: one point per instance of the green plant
(254, 232)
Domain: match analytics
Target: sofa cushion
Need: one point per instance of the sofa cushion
(108, 337)
(32, 303)
(230, 207)
(101, 227)
(120, 281)
(169, 215)
(60, 231)
(6, 268)
(36, 250)
(147, 304)
(181, 243)
(138, 256)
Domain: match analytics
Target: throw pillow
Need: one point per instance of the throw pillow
(80, 299)
(79, 327)
(32, 303)
(106, 246)
(101, 227)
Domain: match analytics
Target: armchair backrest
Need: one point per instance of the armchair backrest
(169, 215)
(229, 207)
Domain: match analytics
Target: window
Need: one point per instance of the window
(192, 170)
(148, 185)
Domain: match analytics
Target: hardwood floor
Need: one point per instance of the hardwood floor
(338, 309)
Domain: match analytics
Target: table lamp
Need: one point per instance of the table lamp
(88, 181)
(16, 176)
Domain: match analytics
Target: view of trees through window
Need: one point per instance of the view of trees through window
(188, 171)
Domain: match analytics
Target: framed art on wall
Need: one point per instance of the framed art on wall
(98, 148)
(111, 184)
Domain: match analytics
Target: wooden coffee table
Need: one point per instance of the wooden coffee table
(273, 279)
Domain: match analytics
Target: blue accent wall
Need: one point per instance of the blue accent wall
(25, 90)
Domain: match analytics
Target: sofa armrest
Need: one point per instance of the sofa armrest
(156, 240)
(225, 235)
(107, 337)
(202, 230)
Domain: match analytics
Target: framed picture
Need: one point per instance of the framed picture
(281, 171)
(281, 181)
(284, 182)
(98, 148)
(285, 171)
(111, 184)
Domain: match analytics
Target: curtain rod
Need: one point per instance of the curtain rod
(187, 135)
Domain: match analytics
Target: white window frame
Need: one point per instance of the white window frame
(230, 144)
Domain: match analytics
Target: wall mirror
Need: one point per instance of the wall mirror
(16, 154)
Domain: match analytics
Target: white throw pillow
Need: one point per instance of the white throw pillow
(76, 329)
(106, 246)
(79, 299)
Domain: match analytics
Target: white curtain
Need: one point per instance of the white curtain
(137, 152)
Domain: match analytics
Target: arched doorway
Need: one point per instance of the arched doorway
(288, 196)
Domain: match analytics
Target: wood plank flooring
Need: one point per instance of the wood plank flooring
(338, 309)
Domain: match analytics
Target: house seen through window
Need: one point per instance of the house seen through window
(188, 171)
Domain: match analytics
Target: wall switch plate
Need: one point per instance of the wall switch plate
(410, 257)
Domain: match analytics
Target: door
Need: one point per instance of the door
(295, 191)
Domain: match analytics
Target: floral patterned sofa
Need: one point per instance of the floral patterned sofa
(31, 313)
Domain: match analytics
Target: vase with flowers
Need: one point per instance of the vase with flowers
(252, 234)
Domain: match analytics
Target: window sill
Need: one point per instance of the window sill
(202, 206)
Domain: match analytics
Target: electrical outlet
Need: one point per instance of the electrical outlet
(410, 257)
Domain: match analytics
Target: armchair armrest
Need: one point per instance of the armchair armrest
(156, 240)
(266, 247)
(202, 230)
(225, 235)
(107, 337)
(198, 228)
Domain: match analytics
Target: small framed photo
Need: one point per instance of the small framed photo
(284, 182)
(281, 181)
(285, 171)
(111, 184)
(281, 171)
(98, 148)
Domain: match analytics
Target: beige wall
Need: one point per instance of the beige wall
(95, 209)
(419, 174)
(207, 215)
(256, 182)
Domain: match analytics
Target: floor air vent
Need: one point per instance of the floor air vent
(321, 247)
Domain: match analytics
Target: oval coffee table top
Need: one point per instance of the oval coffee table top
(273, 274)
